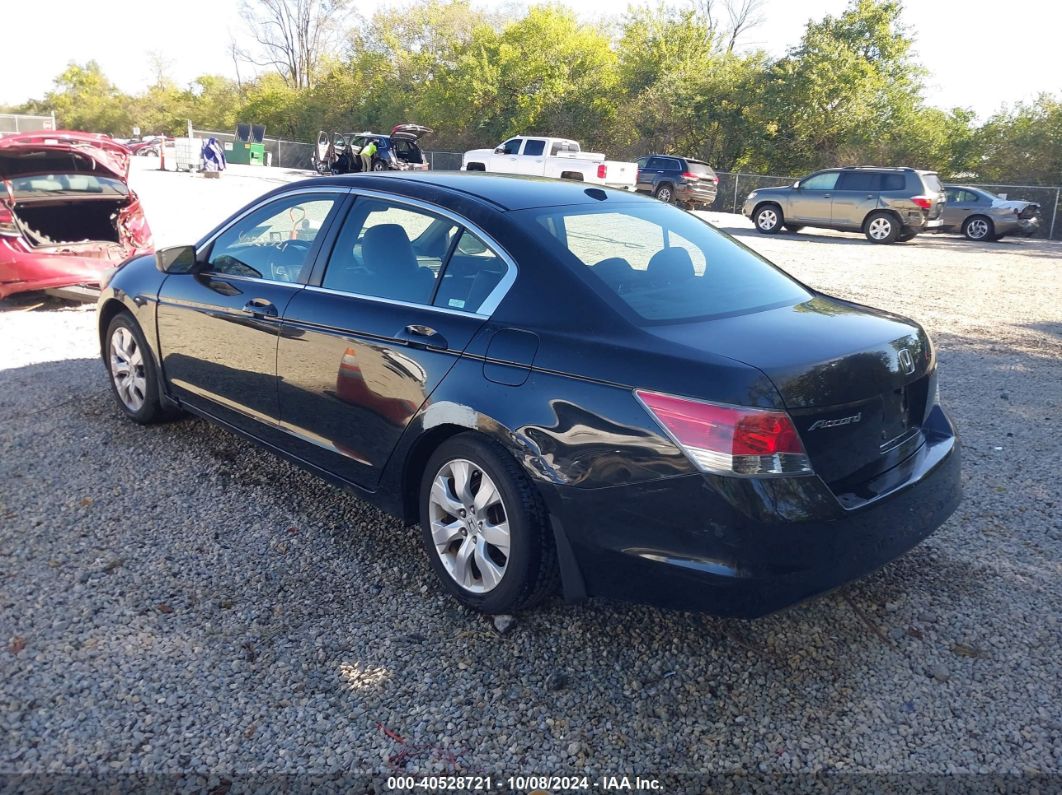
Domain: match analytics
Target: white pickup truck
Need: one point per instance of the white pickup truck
(551, 157)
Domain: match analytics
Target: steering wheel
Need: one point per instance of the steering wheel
(290, 259)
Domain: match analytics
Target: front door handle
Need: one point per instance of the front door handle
(260, 307)
(423, 337)
(826, 195)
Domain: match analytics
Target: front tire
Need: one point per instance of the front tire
(882, 228)
(131, 366)
(485, 528)
(978, 228)
(768, 219)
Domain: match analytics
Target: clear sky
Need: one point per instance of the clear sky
(980, 53)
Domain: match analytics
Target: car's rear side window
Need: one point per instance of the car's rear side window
(859, 180)
(893, 182)
(932, 183)
(662, 264)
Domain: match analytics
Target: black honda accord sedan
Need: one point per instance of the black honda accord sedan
(562, 385)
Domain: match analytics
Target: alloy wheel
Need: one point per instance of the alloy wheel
(127, 369)
(977, 229)
(664, 194)
(880, 228)
(469, 525)
(767, 219)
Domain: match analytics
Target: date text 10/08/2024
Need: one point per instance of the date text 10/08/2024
(532, 784)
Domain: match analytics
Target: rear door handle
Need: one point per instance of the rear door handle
(260, 307)
(423, 337)
(826, 195)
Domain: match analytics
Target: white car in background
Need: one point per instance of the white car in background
(560, 158)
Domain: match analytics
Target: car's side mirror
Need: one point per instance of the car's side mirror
(796, 185)
(176, 259)
(499, 150)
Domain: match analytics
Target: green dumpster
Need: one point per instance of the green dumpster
(249, 147)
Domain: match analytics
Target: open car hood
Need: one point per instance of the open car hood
(106, 154)
(410, 132)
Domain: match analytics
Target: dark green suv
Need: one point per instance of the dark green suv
(885, 204)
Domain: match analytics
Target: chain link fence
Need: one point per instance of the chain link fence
(21, 122)
(734, 187)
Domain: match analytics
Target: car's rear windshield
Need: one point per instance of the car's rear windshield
(660, 263)
(700, 168)
(42, 186)
(932, 182)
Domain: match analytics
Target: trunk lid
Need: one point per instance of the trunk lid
(410, 132)
(857, 382)
(934, 191)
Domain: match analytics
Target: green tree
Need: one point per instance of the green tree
(84, 99)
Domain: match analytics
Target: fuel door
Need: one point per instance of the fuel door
(510, 355)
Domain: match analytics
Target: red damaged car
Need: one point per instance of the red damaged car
(67, 215)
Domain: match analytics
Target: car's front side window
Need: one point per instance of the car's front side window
(823, 181)
(389, 250)
(274, 241)
(512, 146)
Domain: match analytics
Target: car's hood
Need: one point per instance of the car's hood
(781, 190)
(106, 154)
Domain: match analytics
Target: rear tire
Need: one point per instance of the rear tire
(485, 528)
(768, 219)
(131, 366)
(881, 228)
(665, 192)
(979, 229)
(903, 237)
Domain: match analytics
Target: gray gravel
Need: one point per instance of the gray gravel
(173, 599)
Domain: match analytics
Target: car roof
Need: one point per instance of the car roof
(502, 191)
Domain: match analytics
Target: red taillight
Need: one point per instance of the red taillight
(922, 201)
(602, 170)
(690, 175)
(730, 440)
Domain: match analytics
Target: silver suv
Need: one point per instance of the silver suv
(885, 204)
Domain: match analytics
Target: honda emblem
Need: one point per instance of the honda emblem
(906, 361)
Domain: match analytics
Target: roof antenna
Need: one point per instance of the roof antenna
(596, 193)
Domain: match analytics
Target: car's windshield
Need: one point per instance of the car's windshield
(39, 186)
(661, 263)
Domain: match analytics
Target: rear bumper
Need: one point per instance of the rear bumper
(1017, 226)
(747, 547)
(696, 194)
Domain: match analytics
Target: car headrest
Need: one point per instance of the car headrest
(614, 270)
(670, 266)
(387, 247)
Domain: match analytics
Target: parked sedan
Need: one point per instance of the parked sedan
(67, 215)
(556, 382)
(982, 215)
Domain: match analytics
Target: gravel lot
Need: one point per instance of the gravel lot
(175, 600)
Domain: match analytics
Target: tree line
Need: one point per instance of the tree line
(661, 79)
